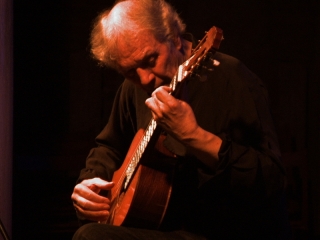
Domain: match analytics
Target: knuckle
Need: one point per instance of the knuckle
(78, 188)
(73, 196)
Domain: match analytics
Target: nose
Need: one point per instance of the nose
(145, 76)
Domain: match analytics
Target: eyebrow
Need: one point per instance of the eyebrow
(142, 61)
(146, 56)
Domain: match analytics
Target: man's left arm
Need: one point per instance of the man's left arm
(217, 152)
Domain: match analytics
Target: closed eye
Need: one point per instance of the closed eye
(149, 61)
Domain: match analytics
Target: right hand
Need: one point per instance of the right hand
(87, 201)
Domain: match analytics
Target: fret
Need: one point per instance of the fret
(140, 150)
(173, 83)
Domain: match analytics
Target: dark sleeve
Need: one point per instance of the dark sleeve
(114, 140)
(249, 158)
(250, 170)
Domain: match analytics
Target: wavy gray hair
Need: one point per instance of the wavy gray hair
(136, 16)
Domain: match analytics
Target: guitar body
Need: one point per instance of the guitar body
(144, 201)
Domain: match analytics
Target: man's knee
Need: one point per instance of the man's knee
(97, 231)
(86, 232)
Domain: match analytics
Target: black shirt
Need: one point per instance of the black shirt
(242, 197)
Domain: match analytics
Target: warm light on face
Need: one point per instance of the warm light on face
(148, 62)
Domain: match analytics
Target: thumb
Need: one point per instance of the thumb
(97, 184)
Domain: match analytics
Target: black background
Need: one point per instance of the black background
(273, 38)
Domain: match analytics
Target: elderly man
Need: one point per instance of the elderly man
(228, 181)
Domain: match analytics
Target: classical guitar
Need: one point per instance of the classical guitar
(143, 187)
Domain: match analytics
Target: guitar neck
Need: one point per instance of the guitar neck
(149, 134)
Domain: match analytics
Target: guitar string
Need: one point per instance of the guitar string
(124, 175)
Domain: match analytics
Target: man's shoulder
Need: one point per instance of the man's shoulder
(232, 66)
(226, 59)
(235, 71)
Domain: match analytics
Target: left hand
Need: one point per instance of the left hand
(173, 115)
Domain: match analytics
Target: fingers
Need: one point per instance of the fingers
(94, 214)
(87, 201)
(98, 215)
(175, 116)
(163, 88)
(163, 94)
(161, 102)
(82, 191)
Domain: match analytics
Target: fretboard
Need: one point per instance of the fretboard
(141, 147)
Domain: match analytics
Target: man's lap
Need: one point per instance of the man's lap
(96, 231)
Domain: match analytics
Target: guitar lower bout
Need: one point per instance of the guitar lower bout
(144, 203)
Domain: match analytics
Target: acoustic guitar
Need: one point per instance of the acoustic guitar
(143, 184)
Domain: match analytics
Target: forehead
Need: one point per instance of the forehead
(133, 51)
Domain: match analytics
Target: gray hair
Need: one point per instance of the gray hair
(155, 16)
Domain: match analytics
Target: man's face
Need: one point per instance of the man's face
(148, 62)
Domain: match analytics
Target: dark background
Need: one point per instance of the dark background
(62, 99)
